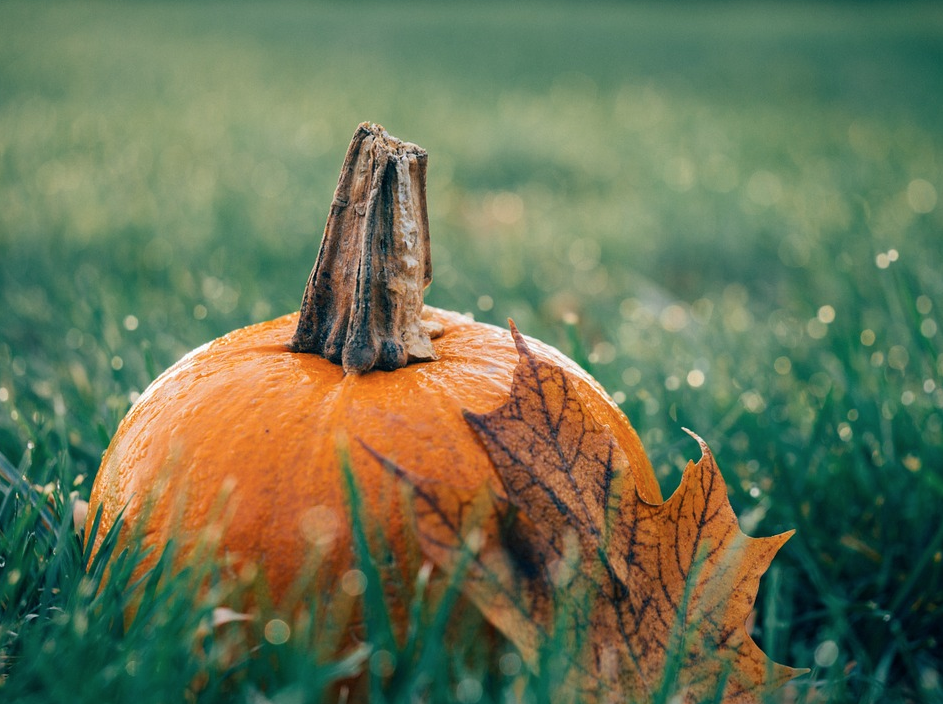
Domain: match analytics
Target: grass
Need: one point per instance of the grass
(729, 212)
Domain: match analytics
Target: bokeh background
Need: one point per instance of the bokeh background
(730, 212)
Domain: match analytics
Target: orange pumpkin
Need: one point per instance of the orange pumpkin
(259, 413)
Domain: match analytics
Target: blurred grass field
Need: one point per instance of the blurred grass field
(730, 212)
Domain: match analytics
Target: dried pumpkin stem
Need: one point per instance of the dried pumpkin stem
(363, 305)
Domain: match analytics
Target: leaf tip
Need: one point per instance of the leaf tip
(782, 538)
(705, 450)
(522, 349)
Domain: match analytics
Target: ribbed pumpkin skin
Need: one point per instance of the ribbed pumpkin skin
(246, 413)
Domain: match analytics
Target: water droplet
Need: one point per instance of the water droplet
(921, 196)
(826, 653)
(354, 583)
(277, 632)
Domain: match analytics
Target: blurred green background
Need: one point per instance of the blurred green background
(729, 212)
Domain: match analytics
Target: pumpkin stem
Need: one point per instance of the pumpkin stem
(362, 307)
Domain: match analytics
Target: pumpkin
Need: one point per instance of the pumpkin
(245, 431)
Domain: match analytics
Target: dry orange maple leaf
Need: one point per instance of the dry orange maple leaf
(650, 600)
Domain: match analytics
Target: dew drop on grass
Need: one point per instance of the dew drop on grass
(510, 664)
(674, 318)
(468, 691)
(354, 583)
(603, 353)
(764, 188)
(885, 259)
(921, 196)
(507, 208)
(631, 376)
(277, 632)
(816, 329)
(696, 378)
(74, 339)
(898, 357)
(382, 663)
(826, 653)
(319, 525)
(930, 679)
(753, 401)
(86, 587)
(80, 624)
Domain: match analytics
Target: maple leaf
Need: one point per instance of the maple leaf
(651, 600)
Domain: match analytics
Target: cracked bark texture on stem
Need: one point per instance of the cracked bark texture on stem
(363, 304)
